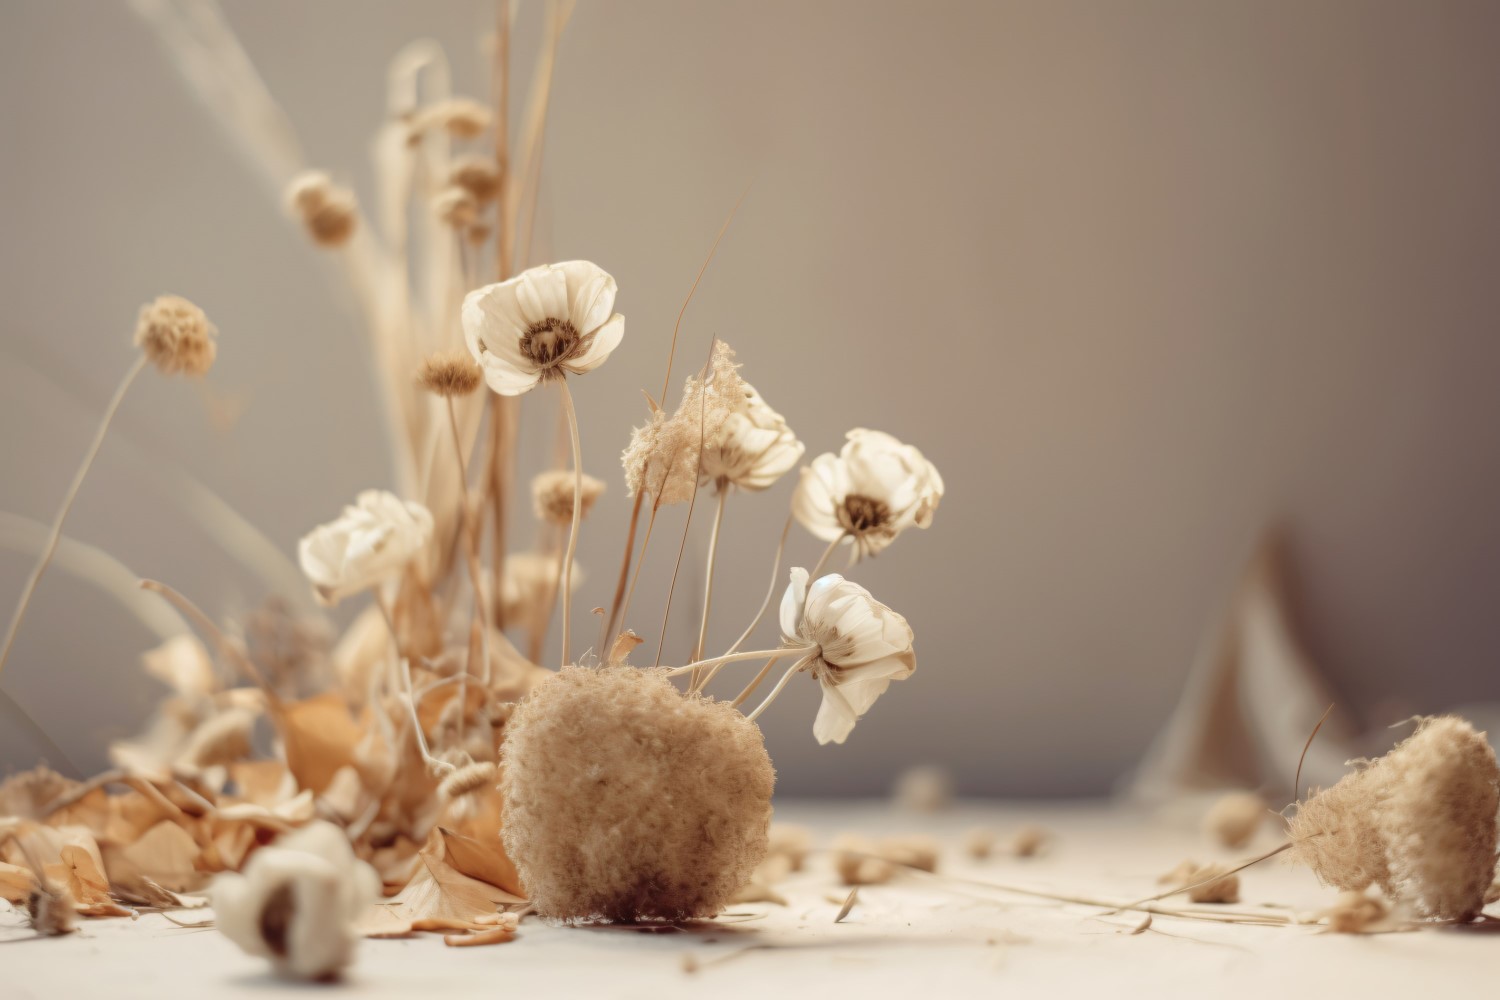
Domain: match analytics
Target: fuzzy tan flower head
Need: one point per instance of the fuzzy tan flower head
(870, 492)
(462, 117)
(542, 325)
(552, 495)
(176, 336)
(455, 206)
(450, 373)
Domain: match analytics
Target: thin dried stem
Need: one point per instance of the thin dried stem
(608, 625)
(749, 689)
(692, 501)
(754, 654)
(81, 792)
(666, 385)
(790, 672)
(471, 549)
(639, 563)
(770, 591)
(1297, 781)
(708, 573)
(567, 577)
(67, 505)
(216, 635)
(826, 553)
(500, 89)
(403, 668)
(1209, 879)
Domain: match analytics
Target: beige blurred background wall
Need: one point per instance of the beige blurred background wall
(1140, 278)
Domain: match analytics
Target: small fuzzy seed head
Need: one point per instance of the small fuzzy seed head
(1419, 822)
(479, 175)
(455, 206)
(462, 117)
(450, 373)
(625, 800)
(552, 496)
(176, 336)
(329, 211)
(1233, 820)
(1225, 889)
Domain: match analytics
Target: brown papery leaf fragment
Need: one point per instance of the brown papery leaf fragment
(438, 890)
(319, 735)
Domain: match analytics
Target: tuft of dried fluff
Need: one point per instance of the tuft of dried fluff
(176, 336)
(552, 495)
(1233, 820)
(477, 174)
(450, 373)
(1419, 822)
(663, 455)
(328, 211)
(625, 800)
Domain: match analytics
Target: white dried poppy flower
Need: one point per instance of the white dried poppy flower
(296, 902)
(542, 325)
(862, 646)
(753, 447)
(370, 543)
(871, 491)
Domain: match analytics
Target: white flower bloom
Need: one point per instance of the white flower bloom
(862, 646)
(542, 325)
(371, 542)
(753, 447)
(296, 902)
(871, 491)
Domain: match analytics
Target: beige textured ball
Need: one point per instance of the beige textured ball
(626, 801)
(1419, 822)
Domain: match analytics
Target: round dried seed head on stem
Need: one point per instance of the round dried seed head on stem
(477, 174)
(329, 211)
(1234, 818)
(552, 495)
(176, 336)
(455, 206)
(626, 800)
(450, 373)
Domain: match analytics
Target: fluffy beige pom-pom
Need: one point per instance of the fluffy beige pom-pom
(624, 800)
(1419, 822)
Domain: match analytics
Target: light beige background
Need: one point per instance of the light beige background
(1140, 278)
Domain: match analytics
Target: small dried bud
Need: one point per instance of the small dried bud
(1029, 841)
(1224, 889)
(463, 117)
(858, 862)
(1234, 819)
(911, 852)
(477, 174)
(552, 496)
(923, 789)
(477, 234)
(979, 844)
(1356, 913)
(452, 373)
(455, 206)
(330, 212)
(50, 910)
(176, 336)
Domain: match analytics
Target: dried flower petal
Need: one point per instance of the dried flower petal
(370, 543)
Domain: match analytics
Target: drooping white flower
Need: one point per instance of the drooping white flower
(543, 324)
(871, 491)
(296, 901)
(370, 543)
(753, 446)
(861, 646)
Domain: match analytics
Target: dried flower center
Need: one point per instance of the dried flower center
(550, 342)
(276, 919)
(861, 515)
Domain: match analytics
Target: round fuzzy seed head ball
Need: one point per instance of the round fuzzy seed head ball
(176, 336)
(624, 800)
(1419, 822)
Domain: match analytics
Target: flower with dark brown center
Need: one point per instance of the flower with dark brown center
(542, 325)
(870, 492)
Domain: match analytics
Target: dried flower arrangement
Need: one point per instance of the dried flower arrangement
(426, 773)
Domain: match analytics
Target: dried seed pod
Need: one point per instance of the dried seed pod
(329, 211)
(858, 861)
(455, 206)
(1356, 913)
(626, 800)
(1418, 822)
(552, 495)
(1225, 889)
(1233, 820)
(450, 373)
(477, 174)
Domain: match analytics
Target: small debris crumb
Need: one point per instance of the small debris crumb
(1233, 820)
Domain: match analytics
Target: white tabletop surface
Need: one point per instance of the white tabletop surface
(914, 937)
